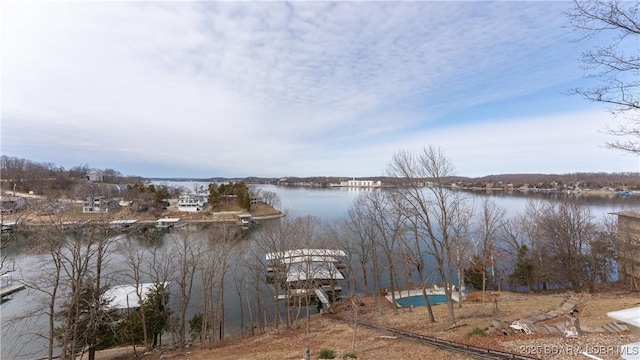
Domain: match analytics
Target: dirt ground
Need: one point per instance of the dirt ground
(227, 213)
(343, 337)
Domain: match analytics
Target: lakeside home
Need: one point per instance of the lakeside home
(192, 203)
(98, 204)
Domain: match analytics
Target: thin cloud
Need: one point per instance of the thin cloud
(266, 88)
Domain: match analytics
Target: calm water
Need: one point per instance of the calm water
(332, 203)
(325, 203)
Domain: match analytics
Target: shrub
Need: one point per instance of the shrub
(476, 331)
(349, 355)
(326, 354)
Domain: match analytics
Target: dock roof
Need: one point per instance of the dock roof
(313, 271)
(304, 252)
(124, 296)
(168, 220)
(124, 222)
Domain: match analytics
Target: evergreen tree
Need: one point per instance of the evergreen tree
(523, 270)
(94, 325)
(473, 274)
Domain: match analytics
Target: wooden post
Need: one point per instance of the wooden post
(305, 353)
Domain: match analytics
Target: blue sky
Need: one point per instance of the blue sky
(202, 89)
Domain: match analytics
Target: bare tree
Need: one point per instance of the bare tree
(276, 237)
(359, 236)
(460, 230)
(436, 207)
(47, 279)
(414, 250)
(615, 65)
(256, 279)
(572, 239)
(216, 263)
(269, 197)
(516, 246)
(528, 225)
(134, 259)
(603, 251)
(489, 223)
(188, 250)
(389, 230)
(160, 267)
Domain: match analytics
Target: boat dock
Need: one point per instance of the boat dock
(308, 273)
(8, 287)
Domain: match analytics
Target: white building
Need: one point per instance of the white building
(192, 203)
(360, 183)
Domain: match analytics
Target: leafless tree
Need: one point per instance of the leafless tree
(572, 239)
(602, 251)
(47, 241)
(188, 250)
(134, 258)
(160, 267)
(435, 206)
(489, 223)
(84, 259)
(254, 279)
(528, 225)
(414, 251)
(359, 236)
(276, 237)
(389, 229)
(460, 231)
(516, 247)
(269, 197)
(615, 65)
(217, 260)
(305, 233)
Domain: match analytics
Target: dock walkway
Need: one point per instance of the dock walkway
(10, 289)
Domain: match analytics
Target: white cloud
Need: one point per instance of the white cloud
(264, 88)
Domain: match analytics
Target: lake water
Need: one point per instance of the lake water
(325, 203)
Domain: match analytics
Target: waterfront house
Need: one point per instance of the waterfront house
(98, 204)
(192, 203)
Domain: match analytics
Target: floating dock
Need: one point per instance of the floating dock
(8, 287)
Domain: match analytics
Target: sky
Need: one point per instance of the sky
(276, 89)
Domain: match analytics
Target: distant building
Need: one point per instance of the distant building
(94, 176)
(629, 246)
(256, 200)
(359, 183)
(98, 204)
(11, 204)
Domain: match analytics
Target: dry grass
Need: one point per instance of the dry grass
(337, 335)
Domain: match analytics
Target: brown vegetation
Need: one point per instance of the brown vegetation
(327, 332)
